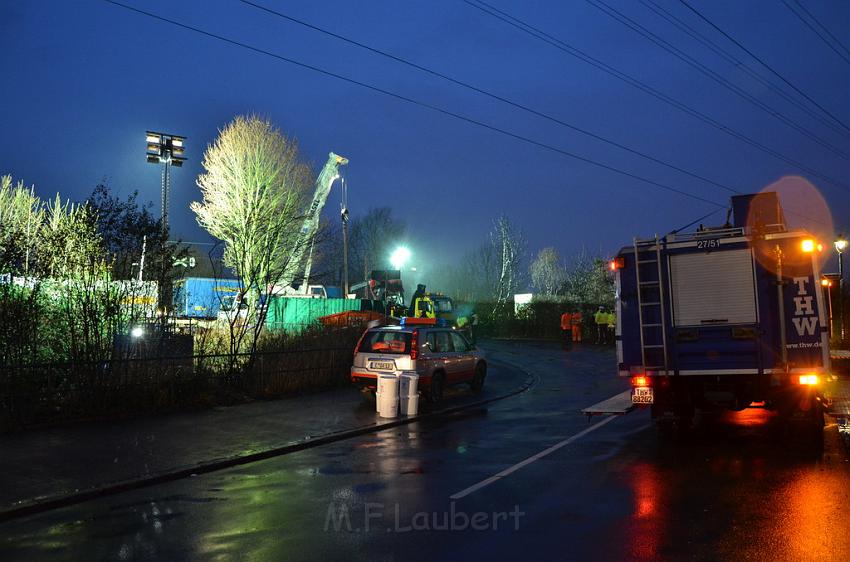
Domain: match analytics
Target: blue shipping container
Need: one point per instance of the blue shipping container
(201, 297)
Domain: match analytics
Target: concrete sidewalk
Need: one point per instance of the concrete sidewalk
(54, 462)
(49, 462)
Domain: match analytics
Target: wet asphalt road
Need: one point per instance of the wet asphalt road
(736, 487)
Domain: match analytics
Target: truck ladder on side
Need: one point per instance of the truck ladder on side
(651, 312)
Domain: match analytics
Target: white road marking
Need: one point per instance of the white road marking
(529, 460)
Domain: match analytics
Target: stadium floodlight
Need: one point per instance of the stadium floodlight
(168, 150)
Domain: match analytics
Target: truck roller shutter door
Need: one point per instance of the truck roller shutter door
(715, 288)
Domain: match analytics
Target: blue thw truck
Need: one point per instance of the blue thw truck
(725, 317)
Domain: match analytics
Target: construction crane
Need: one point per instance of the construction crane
(326, 178)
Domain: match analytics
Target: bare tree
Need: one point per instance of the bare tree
(510, 244)
(372, 238)
(253, 190)
(548, 273)
(588, 281)
(491, 272)
(476, 277)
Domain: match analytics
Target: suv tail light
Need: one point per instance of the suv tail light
(414, 345)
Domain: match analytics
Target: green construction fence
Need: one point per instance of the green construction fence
(294, 314)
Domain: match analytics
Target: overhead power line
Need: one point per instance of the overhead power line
(644, 87)
(739, 64)
(681, 55)
(765, 64)
(419, 103)
(841, 54)
(491, 95)
(499, 98)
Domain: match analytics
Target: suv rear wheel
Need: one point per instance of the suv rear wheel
(435, 392)
(477, 384)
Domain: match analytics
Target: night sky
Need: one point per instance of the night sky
(83, 80)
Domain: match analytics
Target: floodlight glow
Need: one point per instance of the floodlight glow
(840, 244)
(137, 332)
(399, 257)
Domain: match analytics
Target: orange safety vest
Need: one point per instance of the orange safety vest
(576, 318)
(566, 320)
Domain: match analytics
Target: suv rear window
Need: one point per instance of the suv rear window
(385, 341)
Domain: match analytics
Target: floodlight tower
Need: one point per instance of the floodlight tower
(168, 150)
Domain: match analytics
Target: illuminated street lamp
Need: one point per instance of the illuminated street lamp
(167, 150)
(841, 245)
(399, 257)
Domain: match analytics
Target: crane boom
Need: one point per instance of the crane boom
(329, 174)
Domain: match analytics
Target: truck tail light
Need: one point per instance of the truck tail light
(808, 379)
(617, 263)
(808, 246)
(414, 345)
(640, 381)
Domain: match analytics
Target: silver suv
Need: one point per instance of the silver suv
(441, 355)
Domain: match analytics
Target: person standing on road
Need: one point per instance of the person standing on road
(601, 319)
(419, 293)
(473, 326)
(566, 328)
(612, 327)
(575, 323)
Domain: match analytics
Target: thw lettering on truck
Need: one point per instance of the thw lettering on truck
(805, 320)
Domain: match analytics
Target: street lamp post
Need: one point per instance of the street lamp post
(343, 212)
(168, 150)
(840, 246)
(827, 285)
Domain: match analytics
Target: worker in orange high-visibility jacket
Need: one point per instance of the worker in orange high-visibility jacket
(566, 328)
(576, 321)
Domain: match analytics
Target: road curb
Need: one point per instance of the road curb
(41, 505)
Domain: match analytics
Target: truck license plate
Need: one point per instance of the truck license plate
(382, 365)
(642, 396)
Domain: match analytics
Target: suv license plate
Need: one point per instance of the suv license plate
(642, 396)
(382, 365)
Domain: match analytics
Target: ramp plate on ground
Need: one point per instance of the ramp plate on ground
(618, 404)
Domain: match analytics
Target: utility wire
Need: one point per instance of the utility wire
(491, 95)
(501, 99)
(419, 103)
(681, 55)
(702, 218)
(816, 32)
(764, 64)
(640, 85)
(731, 59)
